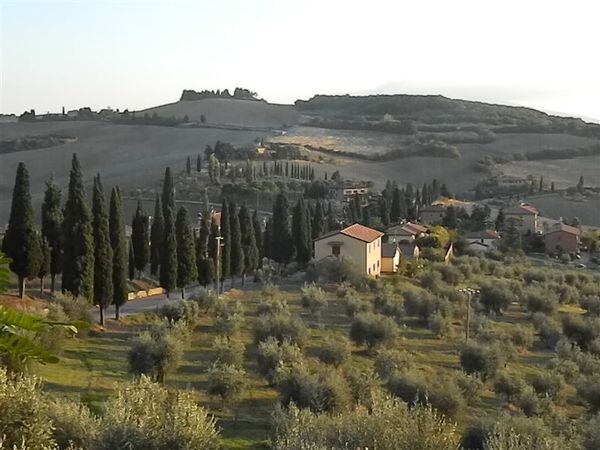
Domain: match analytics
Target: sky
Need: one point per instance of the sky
(136, 54)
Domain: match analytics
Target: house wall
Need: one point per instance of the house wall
(390, 265)
(561, 242)
(364, 255)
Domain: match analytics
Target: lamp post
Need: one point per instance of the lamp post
(470, 292)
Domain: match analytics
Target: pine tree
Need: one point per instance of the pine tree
(131, 261)
(156, 236)
(139, 239)
(237, 252)
(103, 284)
(214, 252)
(78, 244)
(318, 222)
(186, 251)
(226, 241)
(282, 246)
(52, 220)
(168, 254)
(45, 261)
(168, 195)
(199, 163)
(258, 239)
(118, 242)
(248, 238)
(188, 166)
(301, 233)
(204, 264)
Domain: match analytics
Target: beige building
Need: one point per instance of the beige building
(348, 189)
(524, 216)
(390, 257)
(406, 232)
(358, 243)
(433, 214)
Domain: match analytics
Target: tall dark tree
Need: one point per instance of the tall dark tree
(168, 255)
(225, 263)
(258, 238)
(237, 252)
(204, 264)
(20, 241)
(214, 251)
(301, 232)
(199, 162)
(318, 221)
(396, 211)
(511, 238)
(249, 247)
(118, 242)
(131, 261)
(500, 220)
(188, 166)
(103, 256)
(52, 220)
(282, 246)
(435, 190)
(331, 223)
(366, 215)
(450, 219)
(186, 251)
(45, 261)
(384, 211)
(268, 239)
(156, 236)
(168, 194)
(139, 239)
(78, 243)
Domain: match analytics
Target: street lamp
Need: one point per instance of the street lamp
(470, 292)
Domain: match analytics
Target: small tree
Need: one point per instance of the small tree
(483, 360)
(335, 351)
(373, 330)
(313, 298)
(508, 385)
(226, 381)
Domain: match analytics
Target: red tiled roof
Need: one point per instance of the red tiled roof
(523, 209)
(362, 233)
(566, 229)
(414, 228)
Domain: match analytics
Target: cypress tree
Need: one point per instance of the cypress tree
(435, 190)
(450, 219)
(214, 251)
(78, 244)
(384, 211)
(20, 241)
(268, 239)
(103, 284)
(116, 226)
(45, 261)
(500, 220)
(199, 163)
(258, 238)
(188, 166)
(249, 247)
(139, 239)
(204, 264)
(301, 233)
(52, 220)
(366, 215)
(186, 251)
(318, 222)
(156, 236)
(395, 210)
(168, 195)
(168, 255)
(237, 252)
(331, 223)
(131, 261)
(225, 268)
(282, 246)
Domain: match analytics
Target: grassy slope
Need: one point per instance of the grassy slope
(92, 366)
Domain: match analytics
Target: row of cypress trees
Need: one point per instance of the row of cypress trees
(87, 247)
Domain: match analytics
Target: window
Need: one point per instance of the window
(369, 271)
(335, 250)
(378, 264)
(373, 267)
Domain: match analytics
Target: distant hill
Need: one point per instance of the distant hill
(230, 111)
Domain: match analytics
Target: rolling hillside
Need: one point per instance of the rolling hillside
(244, 113)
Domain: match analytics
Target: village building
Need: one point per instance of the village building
(346, 190)
(433, 214)
(409, 251)
(524, 216)
(406, 232)
(390, 257)
(562, 239)
(481, 241)
(360, 244)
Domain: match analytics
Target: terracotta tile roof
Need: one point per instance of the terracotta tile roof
(362, 233)
(414, 228)
(523, 210)
(566, 229)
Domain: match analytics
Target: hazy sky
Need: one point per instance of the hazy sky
(135, 54)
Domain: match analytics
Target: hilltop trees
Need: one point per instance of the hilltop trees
(156, 236)
(168, 261)
(52, 219)
(186, 251)
(78, 263)
(282, 246)
(20, 242)
(118, 243)
(103, 283)
(139, 239)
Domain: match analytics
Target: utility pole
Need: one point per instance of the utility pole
(218, 277)
(470, 292)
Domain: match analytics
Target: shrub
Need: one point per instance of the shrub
(538, 300)
(273, 356)
(282, 327)
(226, 381)
(272, 301)
(363, 384)
(228, 351)
(521, 433)
(72, 424)
(547, 384)
(53, 339)
(592, 304)
(521, 336)
(495, 297)
(155, 354)
(389, 361)
(335, 351)
(355, 305)
(581, 330)
(508, 385)
(373, 329)
(313, 298)
(182, 310)
(76, 308)
(206, 299)
(470, 386)
(229, 317)
(323, 390)
(549, 330)
(146, 415)
(591, 434)
(420, 304)
(483, 360)
(588, 390)
(440, 326)
(532, 405)
(476, 434)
